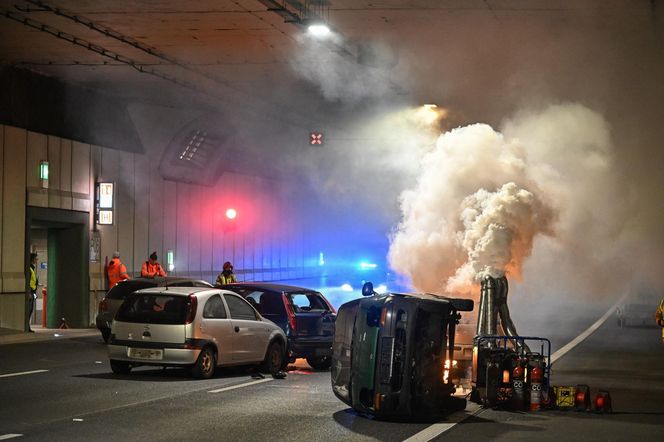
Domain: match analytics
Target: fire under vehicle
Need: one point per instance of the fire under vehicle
(391, 354)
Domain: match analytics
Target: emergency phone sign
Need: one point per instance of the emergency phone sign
(104, 207)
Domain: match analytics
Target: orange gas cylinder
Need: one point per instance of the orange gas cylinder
(536, 376)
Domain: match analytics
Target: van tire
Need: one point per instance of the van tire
(120, 367)
(320, 363)
(205, 365)
(275, 359)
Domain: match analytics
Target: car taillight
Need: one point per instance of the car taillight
(192, 304)
(103, 306)
(290, 313)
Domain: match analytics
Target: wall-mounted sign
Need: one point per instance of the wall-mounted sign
(43, 173)
(104, 206)
(316, 138)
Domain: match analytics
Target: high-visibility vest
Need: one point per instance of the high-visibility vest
(223, 279)
(151, 270)
(33, 279)
(116, 272)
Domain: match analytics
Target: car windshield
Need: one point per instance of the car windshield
(153, 308)
(308, 302)
(124, 289)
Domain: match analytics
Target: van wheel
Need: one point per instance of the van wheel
(120, 367)
(274, 358)
(320, 363)
(205, 364)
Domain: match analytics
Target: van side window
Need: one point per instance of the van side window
(239, 308)
(214, 308)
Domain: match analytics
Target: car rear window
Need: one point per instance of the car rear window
(124, 289)
(308, 302)
(267, 303)
(153, 309)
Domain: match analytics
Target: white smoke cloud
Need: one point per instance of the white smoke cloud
(486, 200)
(337, 72)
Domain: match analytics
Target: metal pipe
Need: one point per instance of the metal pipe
(481, 312)
(491, 312)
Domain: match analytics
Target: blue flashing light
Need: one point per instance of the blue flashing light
(321, 259)
(368, 265)
(346, 287)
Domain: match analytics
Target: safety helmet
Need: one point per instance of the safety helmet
(228, 265)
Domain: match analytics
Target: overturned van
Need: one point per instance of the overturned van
(391, 354)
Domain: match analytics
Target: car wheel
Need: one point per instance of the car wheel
(205, 364)
(105, 334)
(274, 358)
(120, 367)
(320, 363)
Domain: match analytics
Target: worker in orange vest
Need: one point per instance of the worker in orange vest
(152, 268)
(116, 271)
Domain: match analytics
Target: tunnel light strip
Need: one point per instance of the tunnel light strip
(21, 373)
(246, 384)
(9, 436)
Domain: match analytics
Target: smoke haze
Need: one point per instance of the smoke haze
(486, 200)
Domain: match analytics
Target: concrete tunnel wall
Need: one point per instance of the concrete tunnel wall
(266, 243)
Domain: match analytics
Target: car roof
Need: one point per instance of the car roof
(163, 281)
(269, 286)
(174, 290)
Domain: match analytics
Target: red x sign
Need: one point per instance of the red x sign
(316, 139)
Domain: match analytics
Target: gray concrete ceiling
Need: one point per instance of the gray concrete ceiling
(239, 52)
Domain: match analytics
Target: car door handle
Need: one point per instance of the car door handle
(237, 329)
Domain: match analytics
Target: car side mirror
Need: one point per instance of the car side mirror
(368, 289)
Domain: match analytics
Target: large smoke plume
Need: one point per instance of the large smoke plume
(485, 198)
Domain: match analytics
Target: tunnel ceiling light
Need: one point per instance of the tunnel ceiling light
(318, 29)
(231, 213)
(431, 106)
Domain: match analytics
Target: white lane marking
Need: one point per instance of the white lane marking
(21, 373)
(589, 331)
(437, 429)
(246, 384)
(9, 436)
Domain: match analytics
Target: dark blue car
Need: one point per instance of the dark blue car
(305, 315)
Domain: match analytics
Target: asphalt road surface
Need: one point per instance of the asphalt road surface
(64, 390)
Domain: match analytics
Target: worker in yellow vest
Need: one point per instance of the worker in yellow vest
(34, 282)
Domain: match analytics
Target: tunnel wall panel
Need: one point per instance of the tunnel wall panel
(150, 213)
(65, 174)
(36, 153)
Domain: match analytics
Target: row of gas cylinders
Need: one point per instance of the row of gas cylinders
(524, 387)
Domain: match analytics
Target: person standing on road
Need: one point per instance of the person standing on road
(116, 271)
(226, 276)
(659, 316)
(152, 268)
(34, 282)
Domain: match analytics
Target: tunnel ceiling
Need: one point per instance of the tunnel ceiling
(222, 54)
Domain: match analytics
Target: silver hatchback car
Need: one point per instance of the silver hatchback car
(199, 328)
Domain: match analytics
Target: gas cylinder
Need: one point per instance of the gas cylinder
(536, 376)
(519, 387)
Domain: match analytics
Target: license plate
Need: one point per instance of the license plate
(146, 353)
